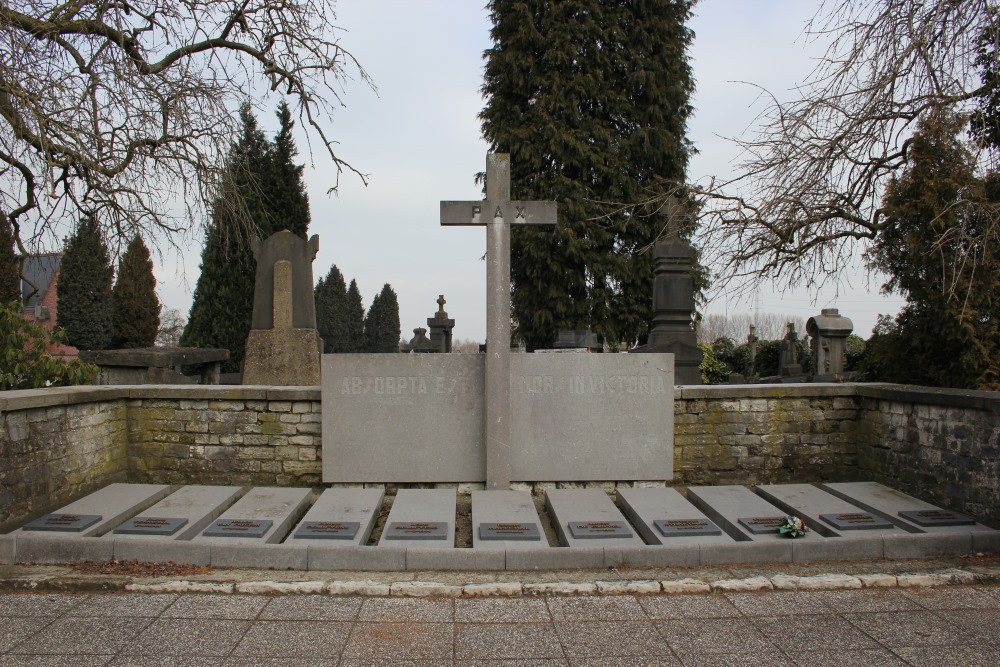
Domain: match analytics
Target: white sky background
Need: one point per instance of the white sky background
(419, 141)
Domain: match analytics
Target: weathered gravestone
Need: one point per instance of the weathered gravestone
(829, 331)
(283, 347)
(502, 418)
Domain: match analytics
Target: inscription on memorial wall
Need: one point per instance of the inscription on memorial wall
(405, 386)
(590, 384)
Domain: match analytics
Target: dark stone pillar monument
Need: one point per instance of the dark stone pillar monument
(673, 299)
(441, 327)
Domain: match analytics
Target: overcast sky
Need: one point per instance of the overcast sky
(419, 141)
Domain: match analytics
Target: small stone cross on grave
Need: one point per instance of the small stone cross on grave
(497, 213)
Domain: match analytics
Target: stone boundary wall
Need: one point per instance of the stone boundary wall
(59, 444)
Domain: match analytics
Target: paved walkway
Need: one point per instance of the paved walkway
(950, 625)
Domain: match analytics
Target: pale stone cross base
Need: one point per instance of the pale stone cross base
(283, 356)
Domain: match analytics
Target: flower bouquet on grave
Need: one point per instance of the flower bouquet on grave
(793, 526)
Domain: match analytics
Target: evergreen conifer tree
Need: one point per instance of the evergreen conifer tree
(382, 322)
(264, 194)
(84, 289)
(355, 339)
(331, 311)
(10, 275)
(590, 98)
(136, 306)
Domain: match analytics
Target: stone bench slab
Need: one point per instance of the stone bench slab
(646, 507)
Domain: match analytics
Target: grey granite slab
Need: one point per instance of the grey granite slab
(113, 504)
(340, 517)
(413, 507)
(682, 522)
(588, 518)
(826, 513)
(887, 502)
(281, 506)
(739, 512)
(195, 505)
(506, 520)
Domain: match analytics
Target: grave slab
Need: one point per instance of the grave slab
(506, 520)
(663, 516)
(588, 518)
(423, 518)
(880, 499)
(193, 507)
(113, 504)
(340, 517)
(740, 512)
(279, 506)
(826, 513)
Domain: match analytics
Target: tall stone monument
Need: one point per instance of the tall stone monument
(441, 327)
(673, 299)
(283, 347)
(829, 331)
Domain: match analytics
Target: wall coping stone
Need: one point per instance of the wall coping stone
(790, 390)
(951, 398)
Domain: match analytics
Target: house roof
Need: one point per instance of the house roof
(39, 269)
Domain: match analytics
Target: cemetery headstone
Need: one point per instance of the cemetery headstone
(829, 331)
(788, 360)
(422, 518)
(587, 517)
(664, 516)
(441, 327)
(339, 517)
(505, 520)
(283, 347)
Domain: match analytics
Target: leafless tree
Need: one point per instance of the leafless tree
(767, 326)
(172, 324)
(465, 345)
(807, 195)
(123, 108)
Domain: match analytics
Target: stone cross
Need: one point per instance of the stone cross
(440, 303)
(497, 213)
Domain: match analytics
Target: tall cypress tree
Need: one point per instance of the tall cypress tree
(355, 339)
(84, 288)
(591, 99)
(264, 194)
(136, 306)
(382, 322)
(10, 280)
(223, 297)
(331, 311)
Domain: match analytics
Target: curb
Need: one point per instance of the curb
(688, 586)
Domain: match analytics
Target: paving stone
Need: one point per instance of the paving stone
(617, 608)
(90, 660)
(75, 635)
(123, 605)
(773, 658)
(878, 580)
(394, 642)
(493, 610)
(312, 608)
(953, 598)
(976, 623)
(826, 582)
(506, 641)
(933, 656)
(628, 661)
(867, 601)
(778, 603)
(785, 582)
(202, 636)
(712, 635)
(909, 628)
(408, 609)
(814, 633)
(867, 658)
(258, 661)
(922, 580)
(688, 606)
(367, 588)
(216, 606)
(606, 639)
(294, 639)
(34, 604)
(181, 587)
(18, 629)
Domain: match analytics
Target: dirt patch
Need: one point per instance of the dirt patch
(134, 568)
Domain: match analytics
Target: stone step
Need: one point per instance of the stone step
(263, 516)
(422, 518)
(340, 517)
(588, 518)
(664, 516)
